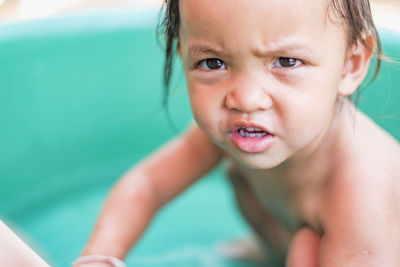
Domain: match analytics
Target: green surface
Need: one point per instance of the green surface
(80, 103)
(381, 99)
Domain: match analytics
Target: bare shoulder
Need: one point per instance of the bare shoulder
(360, 210)
(376, 149)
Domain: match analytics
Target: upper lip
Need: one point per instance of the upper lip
(244, 124)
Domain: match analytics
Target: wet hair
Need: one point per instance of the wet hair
(356, 15)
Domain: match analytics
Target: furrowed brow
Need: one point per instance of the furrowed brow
(196, 50)
(285, 49)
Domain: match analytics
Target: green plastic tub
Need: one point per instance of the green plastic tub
(80, 102)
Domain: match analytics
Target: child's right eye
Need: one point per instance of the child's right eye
(212, 64)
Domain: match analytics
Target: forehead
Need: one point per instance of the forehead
(224, 10)
(267, 20)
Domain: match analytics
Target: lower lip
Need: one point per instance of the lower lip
(252, 144)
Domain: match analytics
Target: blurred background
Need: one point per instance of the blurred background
(15, 10)
(386, 12)
(78, 78)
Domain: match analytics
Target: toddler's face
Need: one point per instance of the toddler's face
(262, 75)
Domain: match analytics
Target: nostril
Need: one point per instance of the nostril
(230, 102)
(244, 102)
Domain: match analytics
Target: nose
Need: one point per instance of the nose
(248, 97)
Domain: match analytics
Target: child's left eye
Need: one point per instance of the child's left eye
(287, 62)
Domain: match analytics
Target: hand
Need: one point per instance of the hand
(304, 249)
(98, 261)
(93, 264)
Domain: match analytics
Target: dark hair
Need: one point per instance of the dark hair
(169, 26)
(356, 15)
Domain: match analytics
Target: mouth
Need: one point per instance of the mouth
(251, 132)
(252, 139)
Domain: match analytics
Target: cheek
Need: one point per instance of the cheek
(198, 103)
(306, 115)
(314, 101)
(205, 108)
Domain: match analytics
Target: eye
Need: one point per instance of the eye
(287, 62)
(212, 64)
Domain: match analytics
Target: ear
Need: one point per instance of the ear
(356, 65)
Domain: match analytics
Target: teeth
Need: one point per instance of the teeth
(252, 132)
(252, 129)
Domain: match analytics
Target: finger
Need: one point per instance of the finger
(304, 249)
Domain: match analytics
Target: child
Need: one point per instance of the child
(269, 83)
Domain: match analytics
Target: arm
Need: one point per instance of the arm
(347, 245)
(147, 187)
(360, 230)
(357, 232)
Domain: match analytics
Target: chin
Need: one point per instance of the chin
(257, 161)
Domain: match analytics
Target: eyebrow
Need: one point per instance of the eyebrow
(285, 48)
(277, 48)
(196, 50)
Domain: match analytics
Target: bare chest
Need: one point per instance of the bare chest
(288, 208)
